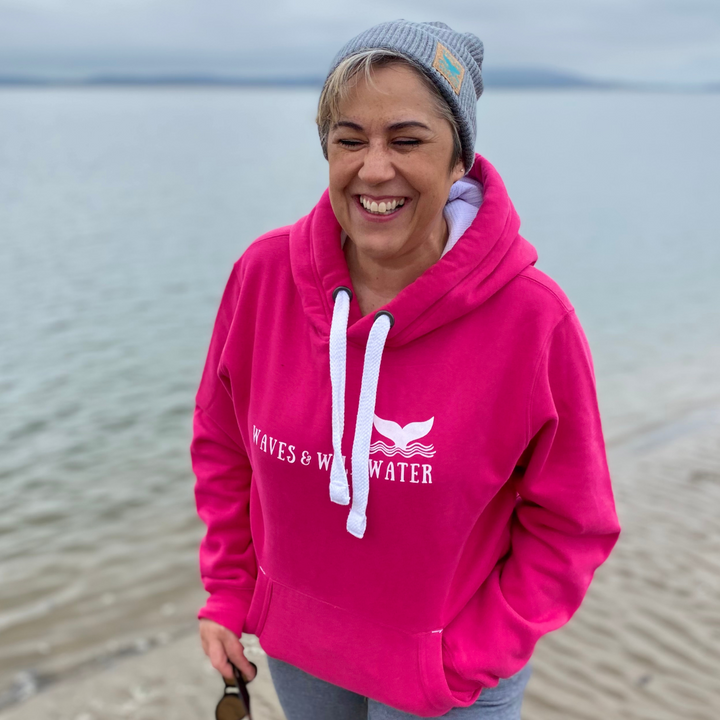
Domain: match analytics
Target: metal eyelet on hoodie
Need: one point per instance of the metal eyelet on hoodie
(385, 312)
(339, 489)
(342, 288)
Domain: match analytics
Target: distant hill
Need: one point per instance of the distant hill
(494, 77)
(523, 77)
(164, 79)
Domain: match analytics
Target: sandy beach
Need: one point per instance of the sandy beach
(645, 645)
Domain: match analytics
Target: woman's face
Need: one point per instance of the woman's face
(389, 150)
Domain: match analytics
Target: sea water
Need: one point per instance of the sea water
(121, 213)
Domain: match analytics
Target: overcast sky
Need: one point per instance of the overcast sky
(646, 40)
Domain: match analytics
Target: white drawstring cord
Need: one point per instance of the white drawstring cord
(357, 519)
(339, 491)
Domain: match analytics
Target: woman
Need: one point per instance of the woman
(402, 326)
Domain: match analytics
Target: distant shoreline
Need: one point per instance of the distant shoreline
(499, 80)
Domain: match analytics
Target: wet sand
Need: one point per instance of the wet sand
(174, 682)
(645, 645)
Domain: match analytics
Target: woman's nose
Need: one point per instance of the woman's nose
(377, 165)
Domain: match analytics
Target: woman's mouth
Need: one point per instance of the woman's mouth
(382, 208)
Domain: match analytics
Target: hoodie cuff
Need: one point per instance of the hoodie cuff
(228, 609)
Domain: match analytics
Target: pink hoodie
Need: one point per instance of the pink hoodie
(481, 499)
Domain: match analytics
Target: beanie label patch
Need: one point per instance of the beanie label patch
(449, 67)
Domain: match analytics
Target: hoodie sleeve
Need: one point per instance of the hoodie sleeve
(563, 528)
(228, 566)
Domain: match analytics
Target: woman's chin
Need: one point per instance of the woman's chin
(377, 246)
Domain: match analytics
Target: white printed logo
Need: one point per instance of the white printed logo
(404, 439)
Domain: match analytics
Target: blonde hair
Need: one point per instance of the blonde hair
(345, 76)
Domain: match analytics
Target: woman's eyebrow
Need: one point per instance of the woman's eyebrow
(395, 126)
(347, 124)
(408, 124)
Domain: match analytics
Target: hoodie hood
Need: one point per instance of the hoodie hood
(489, 254)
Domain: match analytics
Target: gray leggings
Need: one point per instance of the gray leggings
(305, 697)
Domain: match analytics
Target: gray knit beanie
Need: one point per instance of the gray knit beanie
(452, 60)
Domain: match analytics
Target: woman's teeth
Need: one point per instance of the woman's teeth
(383, 208)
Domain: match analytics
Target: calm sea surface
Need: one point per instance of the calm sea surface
(121, 213)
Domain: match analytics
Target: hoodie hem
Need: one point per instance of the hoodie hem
(398, 668)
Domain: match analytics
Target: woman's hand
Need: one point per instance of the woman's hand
(221, 645)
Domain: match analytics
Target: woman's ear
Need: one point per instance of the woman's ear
(458, 171)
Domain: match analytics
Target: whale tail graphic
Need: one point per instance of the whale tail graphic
(402, 436)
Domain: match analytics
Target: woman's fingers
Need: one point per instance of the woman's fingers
(212, 637)
(236, 653)
(222, 647)
(218, 658)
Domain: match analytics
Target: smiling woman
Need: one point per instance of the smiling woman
(480, 499)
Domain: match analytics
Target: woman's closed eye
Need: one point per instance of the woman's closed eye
(404, 143)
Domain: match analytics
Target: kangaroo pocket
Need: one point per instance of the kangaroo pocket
(401, 669)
